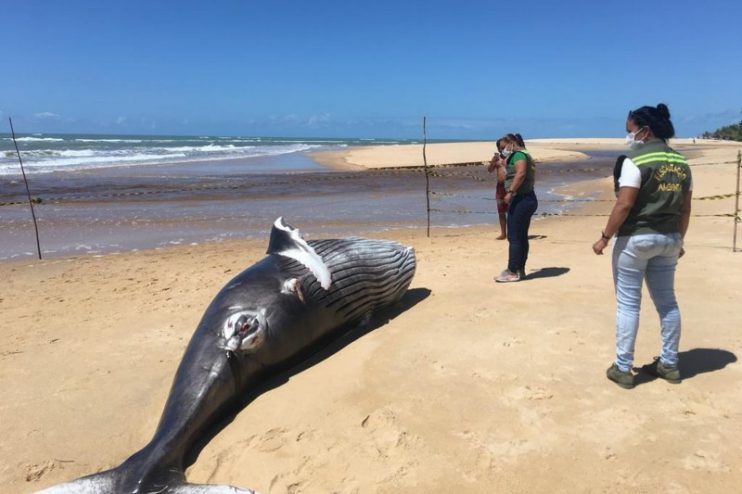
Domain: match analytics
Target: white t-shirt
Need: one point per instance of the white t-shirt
(632, 177)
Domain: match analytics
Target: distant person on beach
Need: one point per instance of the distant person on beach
(520, 178)
(650, 219)
(497, 164)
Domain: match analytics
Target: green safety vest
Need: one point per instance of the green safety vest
(665, 179)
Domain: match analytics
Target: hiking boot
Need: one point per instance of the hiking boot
(658, 369)
(623, 379)
(507, 277)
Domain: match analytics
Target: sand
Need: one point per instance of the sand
(544, 150)
(476, 387)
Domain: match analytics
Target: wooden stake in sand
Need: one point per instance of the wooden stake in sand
(28, 191)
(736, 202)
(427, 176)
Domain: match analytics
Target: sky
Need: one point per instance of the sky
(475, 69)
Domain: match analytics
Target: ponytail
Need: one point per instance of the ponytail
(656, 118)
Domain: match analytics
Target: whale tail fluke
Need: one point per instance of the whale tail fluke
(105, 483)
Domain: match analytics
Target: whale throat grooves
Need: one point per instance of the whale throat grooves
(366, 274)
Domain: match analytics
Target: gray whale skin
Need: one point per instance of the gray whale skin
(300, 294)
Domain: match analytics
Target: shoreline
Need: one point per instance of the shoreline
(122, 210)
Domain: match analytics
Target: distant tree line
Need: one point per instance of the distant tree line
(730, 132)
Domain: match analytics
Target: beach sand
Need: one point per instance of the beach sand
(544, 150)
(475, 387)
(405, 155)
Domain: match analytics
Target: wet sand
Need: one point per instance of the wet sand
(468, 386)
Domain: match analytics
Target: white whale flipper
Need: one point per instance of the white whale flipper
(286, 241)
(104, 483)
(92, 484)
(209, 489)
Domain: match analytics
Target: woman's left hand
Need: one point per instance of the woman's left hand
(508, 197)
(599, 246)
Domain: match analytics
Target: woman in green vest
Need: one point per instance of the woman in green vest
(520, 177)
(650, 219)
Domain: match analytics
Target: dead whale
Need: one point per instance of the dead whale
(301, 293)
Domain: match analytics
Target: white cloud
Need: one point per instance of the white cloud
(46, 115)
(313, 120)
(316, 120)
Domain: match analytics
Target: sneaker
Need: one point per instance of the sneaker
(623, 379)
(658, 369)
(507, 277)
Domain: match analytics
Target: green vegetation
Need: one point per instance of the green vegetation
(730, 132)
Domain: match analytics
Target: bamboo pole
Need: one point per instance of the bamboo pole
(28, 191)
(736, 202)
(427, 176)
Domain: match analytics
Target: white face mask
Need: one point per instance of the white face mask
(506, 152)
(631, 139)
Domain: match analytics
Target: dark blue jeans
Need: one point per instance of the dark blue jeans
(520, 212)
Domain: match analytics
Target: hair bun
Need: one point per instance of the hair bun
(663, 111)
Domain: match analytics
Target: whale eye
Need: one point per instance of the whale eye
(244, 331)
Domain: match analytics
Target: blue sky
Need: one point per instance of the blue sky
(368, 69)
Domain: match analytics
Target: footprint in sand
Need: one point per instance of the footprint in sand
(512, 341)
(387, 438)
(529, 392)
(440, 369)
(294, 481)
(272, 440)
(36, 471)
(707, 461)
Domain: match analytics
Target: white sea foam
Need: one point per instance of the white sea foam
(209, 148)
(112, 140)
(38, 139)
(47, 160)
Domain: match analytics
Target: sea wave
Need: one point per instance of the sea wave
(112, 140)
(38, 139)
(47, 160)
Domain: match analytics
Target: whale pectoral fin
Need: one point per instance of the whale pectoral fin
(208, 489)
(293, 287)
(92, 484)
(286, 241)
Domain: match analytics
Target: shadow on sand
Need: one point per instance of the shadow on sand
(546, 273)
(324, 349)
(694, 362)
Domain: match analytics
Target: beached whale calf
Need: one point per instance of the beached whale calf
(274, 311)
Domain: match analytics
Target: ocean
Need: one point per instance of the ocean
(44, 153)
(103, 194)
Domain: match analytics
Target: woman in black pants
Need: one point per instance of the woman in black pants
(520, 177)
